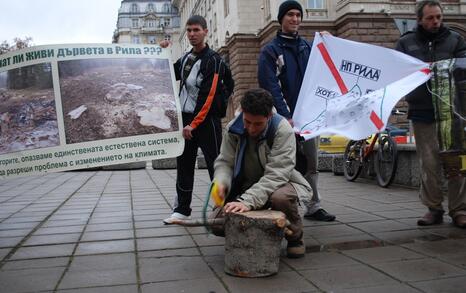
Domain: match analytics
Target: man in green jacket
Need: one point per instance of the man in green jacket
(255, 167)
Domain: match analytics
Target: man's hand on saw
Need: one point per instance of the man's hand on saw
(235, 207)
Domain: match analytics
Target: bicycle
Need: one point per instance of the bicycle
(361, 152)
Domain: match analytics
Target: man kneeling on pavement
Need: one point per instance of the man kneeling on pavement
(255, 167)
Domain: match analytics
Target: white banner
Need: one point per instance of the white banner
(350, 88)
(68, 107)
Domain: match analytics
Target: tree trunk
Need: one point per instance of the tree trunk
(252, 243)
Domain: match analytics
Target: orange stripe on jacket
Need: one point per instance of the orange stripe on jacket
(208, 103)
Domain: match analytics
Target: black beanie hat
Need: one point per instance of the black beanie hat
(286, 6)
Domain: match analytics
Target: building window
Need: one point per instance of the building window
(168, 37)
(135, 40)
(150, 7)
(226, 7)
(151, 23)
(166, 22)
(134, 8)
(134, 22)
(151, 39)
(166, 8)
(315, 4)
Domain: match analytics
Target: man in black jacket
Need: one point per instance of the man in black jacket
(432, 41)
(206, 84)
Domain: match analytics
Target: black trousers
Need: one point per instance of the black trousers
(207, 136)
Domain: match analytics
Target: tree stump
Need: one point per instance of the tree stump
(253, 242)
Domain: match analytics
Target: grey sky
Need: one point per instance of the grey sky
(59, 21)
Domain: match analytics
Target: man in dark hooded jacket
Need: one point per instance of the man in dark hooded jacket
(432, 41)
(282, 64)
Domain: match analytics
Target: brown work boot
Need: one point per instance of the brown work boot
(432, 217)
(460, 221)
(295, 249)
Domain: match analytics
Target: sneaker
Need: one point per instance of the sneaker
(174, 218)
(320, 215)
(432, 217)
(295, 249)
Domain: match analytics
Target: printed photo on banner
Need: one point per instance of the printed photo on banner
(109, 98)
(28, 116)
(67, 107)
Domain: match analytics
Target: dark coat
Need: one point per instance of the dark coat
(428, 47)
(283, 76)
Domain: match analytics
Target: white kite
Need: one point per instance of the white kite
(350, 88)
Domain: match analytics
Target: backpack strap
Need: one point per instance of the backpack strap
(272, 129)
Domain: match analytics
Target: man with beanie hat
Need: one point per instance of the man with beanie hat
(282, 64)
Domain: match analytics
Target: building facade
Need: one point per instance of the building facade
(239, 28)
(148, 22)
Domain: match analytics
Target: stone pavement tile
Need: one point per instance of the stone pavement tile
(24, 225)
(319, 260)
(335, 279)
(108, 289)
(164, 231)
(399, 288)
(100, 270)
(165, 243)
(173, 269)
(14, 233)
(22, 219)
(437, 248)
(213, 250)
(169, 253)
(450, 285)
(347, 241)
(196, 230)
(59, 230)
(331, 230)
(156, 216)
(402, 237)
(64, 223)
(457, 259)
(208, 240)
(9, 241)
(40, 263)
(4, 252)
(31, 280)
(109, 227)
(375, 207)
(338, 210)
(419, 269)
(151, 224)
(382, 254)
(281, 282)
(107, 235)
(447, 230)
(395, 215)
(52, 239)
(111, 246)
(198, 285)
(43, 251)
(381, 226)
(106, 220)
(356, 217)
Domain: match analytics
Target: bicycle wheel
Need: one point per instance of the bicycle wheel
(386, 161)
(352, 159)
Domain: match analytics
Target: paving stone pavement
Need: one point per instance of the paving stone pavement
(102, 231)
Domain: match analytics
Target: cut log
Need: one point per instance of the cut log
(253, 242)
